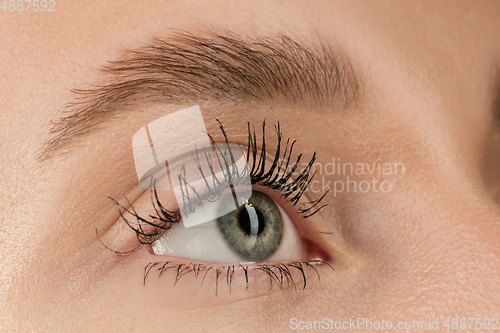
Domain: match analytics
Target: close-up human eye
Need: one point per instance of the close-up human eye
(249, 166)
(222, 204)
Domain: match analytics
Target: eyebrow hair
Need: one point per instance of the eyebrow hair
(186, 67)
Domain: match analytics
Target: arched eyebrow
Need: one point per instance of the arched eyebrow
(223, 67)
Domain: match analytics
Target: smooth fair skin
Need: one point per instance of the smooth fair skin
(428, 248)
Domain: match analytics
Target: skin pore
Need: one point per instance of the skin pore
(427, 81)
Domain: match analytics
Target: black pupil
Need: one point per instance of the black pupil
(245, 224)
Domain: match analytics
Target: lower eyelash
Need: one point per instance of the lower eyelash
(280, 274)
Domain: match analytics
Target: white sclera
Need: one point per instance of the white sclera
(206, 242)
(180, 139)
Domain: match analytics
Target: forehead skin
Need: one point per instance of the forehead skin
(428, 249)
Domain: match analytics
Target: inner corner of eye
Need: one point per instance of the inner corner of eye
(235, 228)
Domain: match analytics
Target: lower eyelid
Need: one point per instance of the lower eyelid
(248, 277)
(269, 275)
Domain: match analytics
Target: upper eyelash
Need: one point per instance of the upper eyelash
(279, 182)
(276, 178)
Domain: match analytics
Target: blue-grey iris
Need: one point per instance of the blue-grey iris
(254, 230)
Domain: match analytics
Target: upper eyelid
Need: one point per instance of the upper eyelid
(280, 174)
(259, 175)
